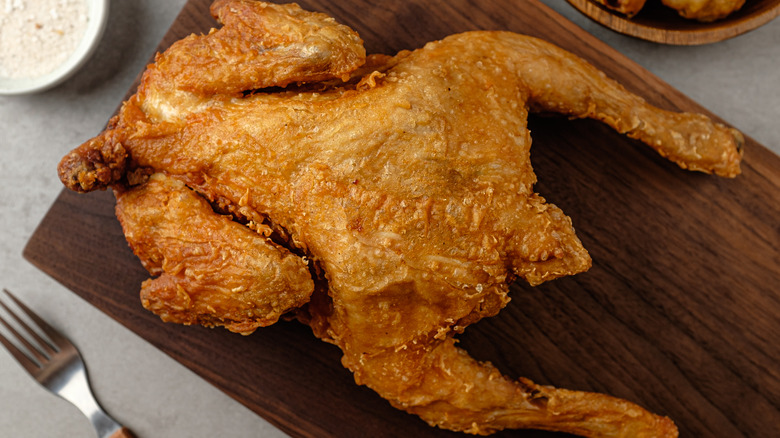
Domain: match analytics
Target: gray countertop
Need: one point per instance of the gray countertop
(738, 79)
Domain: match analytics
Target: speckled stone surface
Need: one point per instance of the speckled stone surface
(738, 80)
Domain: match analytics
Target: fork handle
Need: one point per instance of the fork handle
(122, 433)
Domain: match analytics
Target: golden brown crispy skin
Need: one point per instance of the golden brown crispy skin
(701, 10)
(211, 270)
(261, 45)
(448, 388)
(627, 7)
(705, 10)
(288, 45)
(409, 187)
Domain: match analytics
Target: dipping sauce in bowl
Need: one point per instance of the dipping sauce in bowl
(43, 42)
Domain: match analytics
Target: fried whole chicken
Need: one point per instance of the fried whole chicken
(273, 152)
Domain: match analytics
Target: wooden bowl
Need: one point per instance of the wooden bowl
(662, 24)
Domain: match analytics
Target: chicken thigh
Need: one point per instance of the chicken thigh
(403, 183)
(701, 10)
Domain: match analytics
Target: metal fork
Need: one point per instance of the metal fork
(58, 366)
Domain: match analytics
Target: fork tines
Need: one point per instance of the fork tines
(38, 349)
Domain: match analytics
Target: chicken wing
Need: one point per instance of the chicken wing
(705, 10)
(701, 10)
(211, 270)
(405, 181)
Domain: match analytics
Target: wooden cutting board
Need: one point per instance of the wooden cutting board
(679, 312)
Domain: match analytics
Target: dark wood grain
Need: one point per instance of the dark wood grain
(679, 312)
(658, 23)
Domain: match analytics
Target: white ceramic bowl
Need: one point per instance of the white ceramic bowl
(98, 16)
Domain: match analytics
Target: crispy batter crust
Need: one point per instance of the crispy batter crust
(701, 10)
(705, 10)
(406, 182)
(209, 269)
(627, 7)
